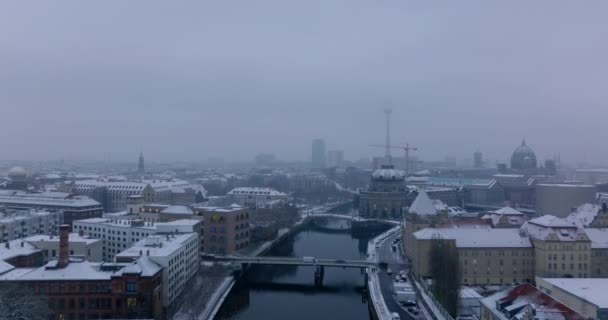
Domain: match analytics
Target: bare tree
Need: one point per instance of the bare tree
(18, 302)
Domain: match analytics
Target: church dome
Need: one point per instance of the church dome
(17, 174)
(523, 157)
(388, 173)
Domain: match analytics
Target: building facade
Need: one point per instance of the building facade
(385, 196)
(74, 207)
(255, 197)
(177, 254)
(15, 224)
(318, 154)
(226, 229)
(115, 195)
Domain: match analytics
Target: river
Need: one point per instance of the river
(288, 292)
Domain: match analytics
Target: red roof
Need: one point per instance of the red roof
(540, 298)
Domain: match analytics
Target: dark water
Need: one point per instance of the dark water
(285, 292)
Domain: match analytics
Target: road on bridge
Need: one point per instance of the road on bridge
(301, 261)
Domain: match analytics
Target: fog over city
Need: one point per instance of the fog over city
(192, 79)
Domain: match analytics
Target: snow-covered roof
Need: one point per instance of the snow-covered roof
(75, 270)
(598, 237)
(62, 199)
(5, 267)
(584, 214)
(143, 266)
(150, 246)
(508, 211)
(423, 205)
(553, 227)
(388, 172)
(592, 290)
(524, 298)
(552, 222)
(178, 209)
(255, 191)
(226, 209)
(74, 237)
(16, 248)
(477, 237)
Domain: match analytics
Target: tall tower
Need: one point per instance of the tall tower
(387, 152)
(477, 160)
(318, 154)
(140, 163)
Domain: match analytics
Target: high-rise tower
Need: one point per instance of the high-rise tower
(318, 154)
(140, 163)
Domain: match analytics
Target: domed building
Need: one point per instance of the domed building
(523, 158)
(17, 177)
(386, 195)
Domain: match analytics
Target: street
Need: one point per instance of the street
(396, 262)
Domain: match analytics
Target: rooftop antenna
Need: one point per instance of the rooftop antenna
(387, 152)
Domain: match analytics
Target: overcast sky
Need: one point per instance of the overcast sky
(186, 80)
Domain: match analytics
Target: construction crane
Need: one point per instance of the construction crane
(407, 148)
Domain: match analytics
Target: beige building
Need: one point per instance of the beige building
(495, 253)
(80, 245)
(561, 248)
(226, 229)
(486, 255)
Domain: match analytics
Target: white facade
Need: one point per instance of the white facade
(152, 191)
(118, 235)
(179, 255)
(15, 224)
(254, 197)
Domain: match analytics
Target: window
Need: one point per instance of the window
(131, 286)
(131, 302)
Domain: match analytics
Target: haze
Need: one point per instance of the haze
(192, 79)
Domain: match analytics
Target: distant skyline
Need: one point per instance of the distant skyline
(193, 80)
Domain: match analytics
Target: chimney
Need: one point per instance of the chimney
(64, 246)
(148, 253)
(7, 245)
(21, 243)
(81, 233)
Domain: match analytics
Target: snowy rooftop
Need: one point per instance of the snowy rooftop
(121, 223)
(83, 270)
(255, 191)
(584, 214)
(552, 222)
(134, 186)
(598, 237)
(477, 237)
(5, 267)
(143, 266)
(552, 227)
(592, 290)
(227, 209)
(73, 238)
(508, 211)
(517, 300)
(152, 245)
(565, 185)
(178, 209)
(423, 205)
(47, 199)
(16, 248)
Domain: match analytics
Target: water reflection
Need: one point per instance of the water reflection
(281, 292)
